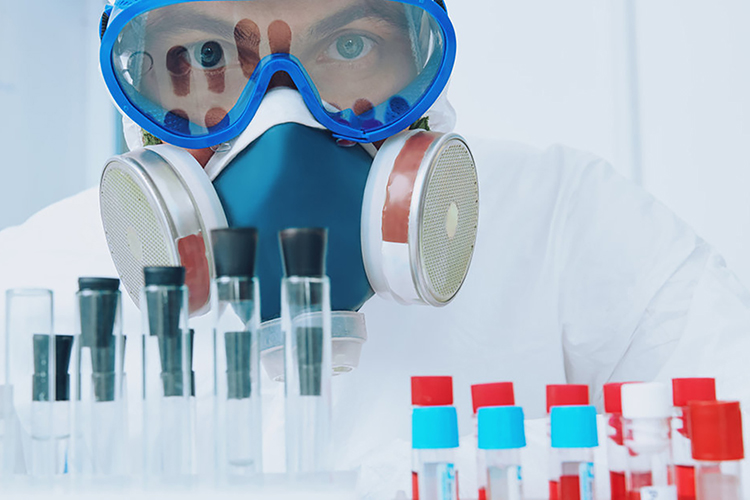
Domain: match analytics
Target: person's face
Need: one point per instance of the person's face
(198, 57)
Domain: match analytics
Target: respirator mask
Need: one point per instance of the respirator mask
(330, 147)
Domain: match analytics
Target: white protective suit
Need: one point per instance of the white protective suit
(578, 276)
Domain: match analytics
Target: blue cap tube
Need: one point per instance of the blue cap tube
(434, 439)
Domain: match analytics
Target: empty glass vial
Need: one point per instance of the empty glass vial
(500, 439)
(100, 437)
(617, 454)
(306, 323)
(168, 377)
(647, 427)
(236, 309)
(434, 438)
(718, 447)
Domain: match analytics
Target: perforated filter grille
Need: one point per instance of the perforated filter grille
(132, 228)
(446, 259)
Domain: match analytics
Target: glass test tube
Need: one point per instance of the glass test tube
(501, 435)
(617, 454)
(482, 395)
(434, 441)
(573, 438)
(647, 427)
(37, 367)
(306, 322)
(100, 437)
(718, 448)
(685, 390)
(168, 377)
(562, 395)
(429, 391)
(236, 306)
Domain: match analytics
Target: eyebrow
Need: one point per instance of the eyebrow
(185, 20)
(391, 14)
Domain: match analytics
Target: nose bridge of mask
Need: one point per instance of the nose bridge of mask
(280, 105)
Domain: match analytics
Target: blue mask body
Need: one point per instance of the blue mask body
(296, 176)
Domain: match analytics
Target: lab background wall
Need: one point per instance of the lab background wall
(659, 87)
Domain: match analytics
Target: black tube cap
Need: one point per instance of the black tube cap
(63, 350)
(303, 251)
(99, 284)
(234, 251)
(164, 276)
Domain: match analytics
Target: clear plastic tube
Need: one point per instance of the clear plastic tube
(650, 465)
(719, 480)
(31, 373)
(239, 449)
(683, 459)
(435, 475)
(576, 473)
(502, 474)
(617, 456)
(168, 383)
(100, 437)
(306, 322)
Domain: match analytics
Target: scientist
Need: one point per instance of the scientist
(577, 275)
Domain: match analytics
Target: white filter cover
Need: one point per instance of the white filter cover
(647, 400)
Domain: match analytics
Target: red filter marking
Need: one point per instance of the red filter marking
(216, 79)
(617, 485)
(570, 488)
(192, 251)
(362, 106)
(639, 480)
(482, 494)
(247, 38)
(280, 37)
(214, 117)
(685, 482)
(414, 485)
(178, 65)
(554, 492)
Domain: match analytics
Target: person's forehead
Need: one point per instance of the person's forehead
(302, 11)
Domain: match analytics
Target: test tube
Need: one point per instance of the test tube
(429, 391)
(685, 390)
(562, 395)
(168, 377)
(434, 437)
(100, 437)
(30, 369)
(482, 395)
(236, 308)
(718, 447)
(306, 323)
(647, 428)
(573, 439)
(501, 436)
(617, 455)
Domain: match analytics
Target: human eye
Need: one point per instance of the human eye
(208, 55)
(350, 47)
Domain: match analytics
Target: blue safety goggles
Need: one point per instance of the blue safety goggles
(193, 73)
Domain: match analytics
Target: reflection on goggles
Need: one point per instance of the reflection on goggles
(194, 66)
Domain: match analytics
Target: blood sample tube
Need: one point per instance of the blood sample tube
(718, 448)
(562, 395)
(500, 437)
(434, 441)
(647, 431)
(685, 390)
(573, 439)
(429, 391)
(483, 395)
(616, 452)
